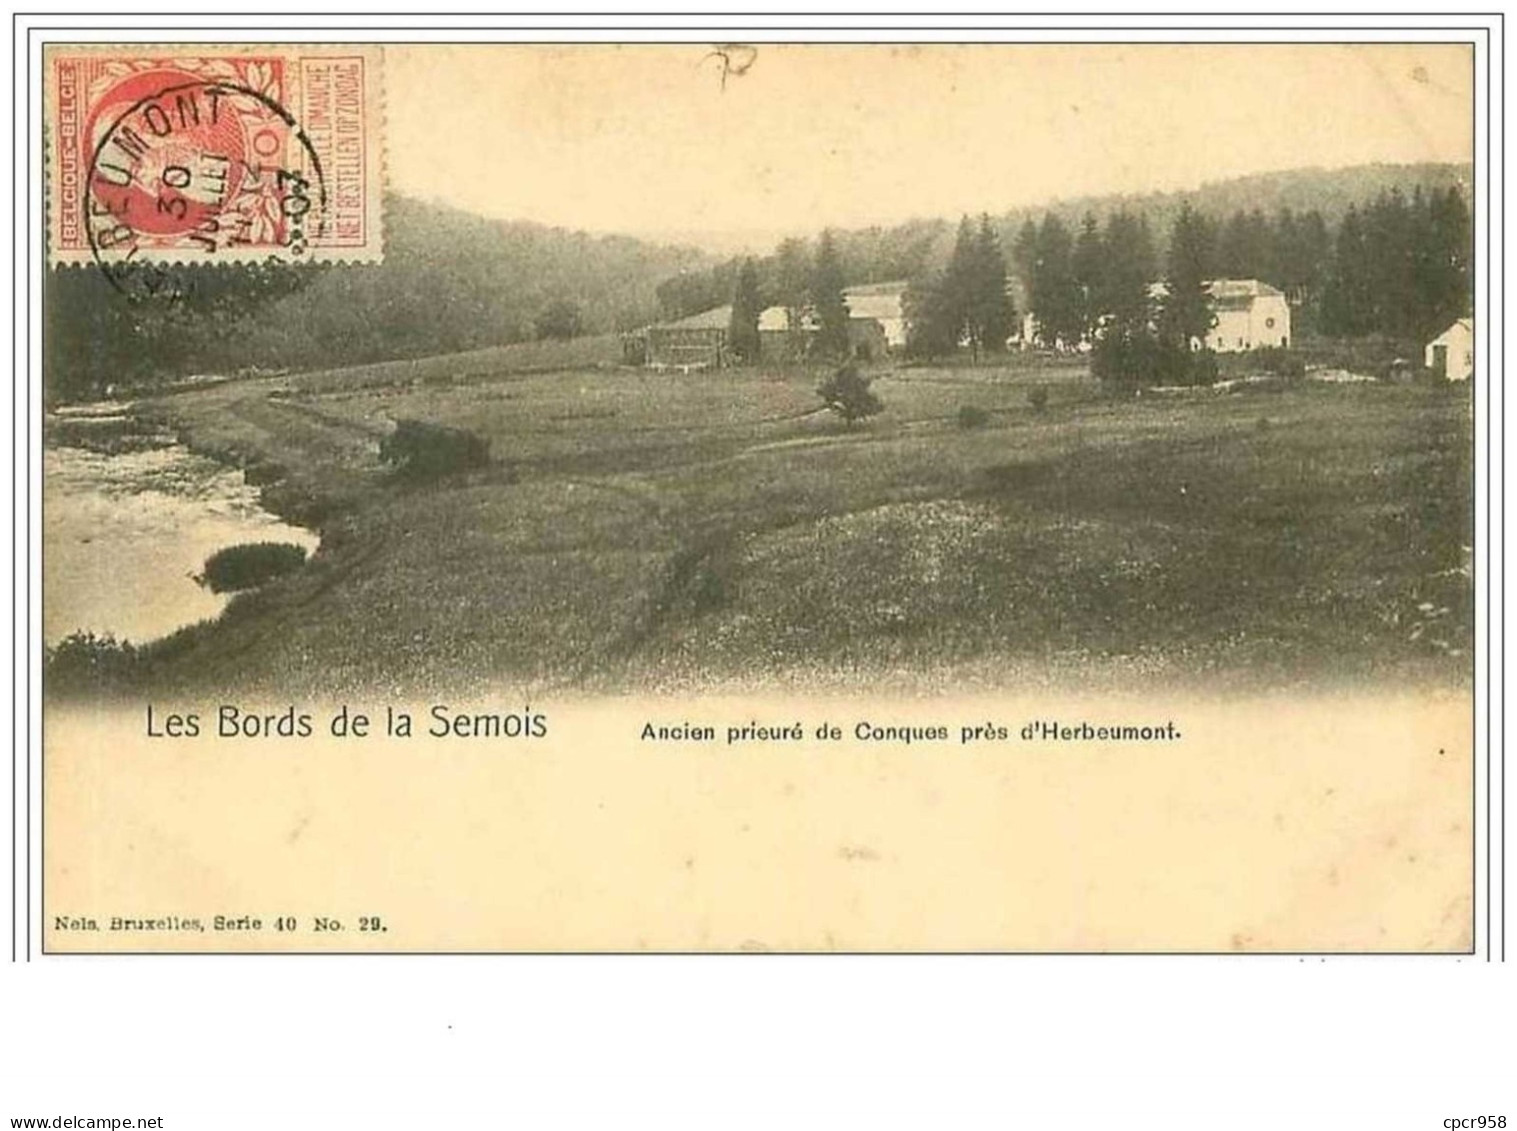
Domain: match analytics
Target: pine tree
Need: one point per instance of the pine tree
(1129, 269)
(1299, 251)
(1089, 272)
(991, 313)
(1346, 305)
(930, 328)
(827, 302)
(1186, 313)
(743, 332)
(968, 303)
(1451, 295)
(1127, 351)
(1243, 248)
(1057, 301)
(792, 287)
(1024, 253)
(1423, 292)
(956, 289)
(1389, 253)
(1312, 265)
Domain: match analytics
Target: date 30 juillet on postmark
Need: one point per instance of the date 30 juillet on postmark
(164, 157)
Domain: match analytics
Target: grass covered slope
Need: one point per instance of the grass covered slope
(641, 530)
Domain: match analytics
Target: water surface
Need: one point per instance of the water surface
(124, 536)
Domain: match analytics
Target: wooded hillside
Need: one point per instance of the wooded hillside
(450, 281)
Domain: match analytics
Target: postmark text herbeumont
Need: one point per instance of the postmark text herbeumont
(245, 155)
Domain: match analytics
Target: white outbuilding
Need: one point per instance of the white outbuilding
(1451, 354)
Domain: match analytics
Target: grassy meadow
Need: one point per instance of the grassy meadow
(639, 530)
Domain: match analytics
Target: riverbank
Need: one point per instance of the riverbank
(641, 531)
(130, 516)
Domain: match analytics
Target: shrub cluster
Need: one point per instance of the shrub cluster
(1142, 361)
(1280, 362)
(250, 565)
(83, 662)
(1373, 355)
(422, 451)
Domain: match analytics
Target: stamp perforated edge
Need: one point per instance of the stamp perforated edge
(374, 170)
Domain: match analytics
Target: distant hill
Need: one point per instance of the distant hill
(879, 253)
(454, 281)
(1329, 191)
(450, 281)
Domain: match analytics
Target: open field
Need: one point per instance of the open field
(640, 530)
(587, 352)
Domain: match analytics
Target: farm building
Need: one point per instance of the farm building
(876, 326)
(1452, 353)
(884, 303)
(867, 336)
(696, 342)
(776, 343)
(1250, 315)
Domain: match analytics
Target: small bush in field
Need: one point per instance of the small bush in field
(973, 416)
(250, 565)
(1037, 397)
(847, 393)
(1200, 368)
(421, 450)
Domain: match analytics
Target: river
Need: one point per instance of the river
(124, 535)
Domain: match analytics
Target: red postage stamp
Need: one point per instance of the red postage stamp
(216, 155)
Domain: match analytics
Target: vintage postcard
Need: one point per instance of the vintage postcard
(760, 497)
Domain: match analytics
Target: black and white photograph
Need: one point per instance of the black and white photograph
(673, 368)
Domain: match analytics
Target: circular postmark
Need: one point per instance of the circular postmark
(189, 172)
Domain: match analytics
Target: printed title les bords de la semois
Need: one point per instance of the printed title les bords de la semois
(437, 721)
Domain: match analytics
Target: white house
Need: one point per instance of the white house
(1250, 315)
(1452, 353)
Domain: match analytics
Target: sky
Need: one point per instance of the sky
(650, 139)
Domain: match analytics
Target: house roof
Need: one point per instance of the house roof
(896, 287)
(876, 300)
(1465, 324)
(1239, 288)
(1224, 290)
(874, 305)
(717, 318)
